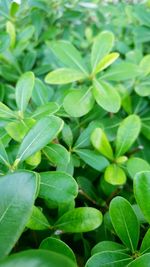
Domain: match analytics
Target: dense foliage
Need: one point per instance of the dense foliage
(74, 133)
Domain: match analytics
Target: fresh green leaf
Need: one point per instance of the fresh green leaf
(135, 165)
(57, 154)
(37, 220)
(106, 61)
(141, 261)
(114, 175)
(63, 76)
(108, 246)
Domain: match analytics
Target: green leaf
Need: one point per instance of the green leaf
(143, 88)
(145, 246)
(106, 61)
(64, 76)
(6, 112)
(69, 55)
(35, 258)
(144, 65)
(45, 110)
(121, 72)
(57, 187)
(57, 154)
(18, 129)
(142, 192)
(127, 133)
(101, 47)
(78, 102)
(142, 261)
(135, 165)
(108, 258)
(108, 246)
(43, 132)
(10, 28)
(67, 135)
(114, 175)
(100, 142)
(106, 96)
(92, 158)
(79, 220)
(5, 41)
(3, 155)
(17, 195)
(58, 246)
(35, 159)
(125, 222)
(40, 93)
(37, 220)
(24, 89)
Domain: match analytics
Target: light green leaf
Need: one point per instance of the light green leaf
(17, 195)
(57, 187)
(108, 258)
(143, 88)
(142, 261)
(37, 220)
(10, 29)
(64, 76)
(106, 61)
(125, 222)
(69, 55)
(145, 246)
(135, 165)
(58, 246)
(121, 72)
(92, 158)
(57, 154)
(127, 133)
(102, 46)
(3, 155)
(100, 142)
(35, 159)
(114, 175)
(78, 102)
(35, 258)
(40, 93)
(45, 110)
(43, 132)
(6, 112)
(142, 192)
(24, 89)
(106, 96)
(80, 220)
(144, 65)
(108, 246)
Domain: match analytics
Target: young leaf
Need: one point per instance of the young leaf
(144, 65)
(125, 222)
(92, 158)
(78, 102)
(142, 261)
(106, 61)
(69, 55)
(142, 192)
(64, 76)
(57, 154)
(6, 112)
(17, 195)
(145, 246)
(114, 175)
(24, 89)
(39, 257)
(121, 72)
(102, 46)
(109, 258)
(143, 89)
(135, 165)
(44, 131)
(58, 246)
(100, 142)
(57, 187)
(108, 246)
(35, 159)
(37, 220)
(106, 96)
(127, 133)
(79, 220)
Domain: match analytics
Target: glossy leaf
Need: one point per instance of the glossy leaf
(125, 222)
(57, 154)
(106, 96)
(6, 112)
(78, 102)
(58, 246)
(135, 165)
(24, 89)
(145, 246)
(106, 61)
(142, 192)
(45, 110)
(102, 46)
(108, 246)
(37, 220)
(57, 187)
(79, 220)
(44, 131)
(100, 142)
(127, 133)
(141, 261)
(3, 155)
(17, 195)
(114, 175)
(63, 76)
